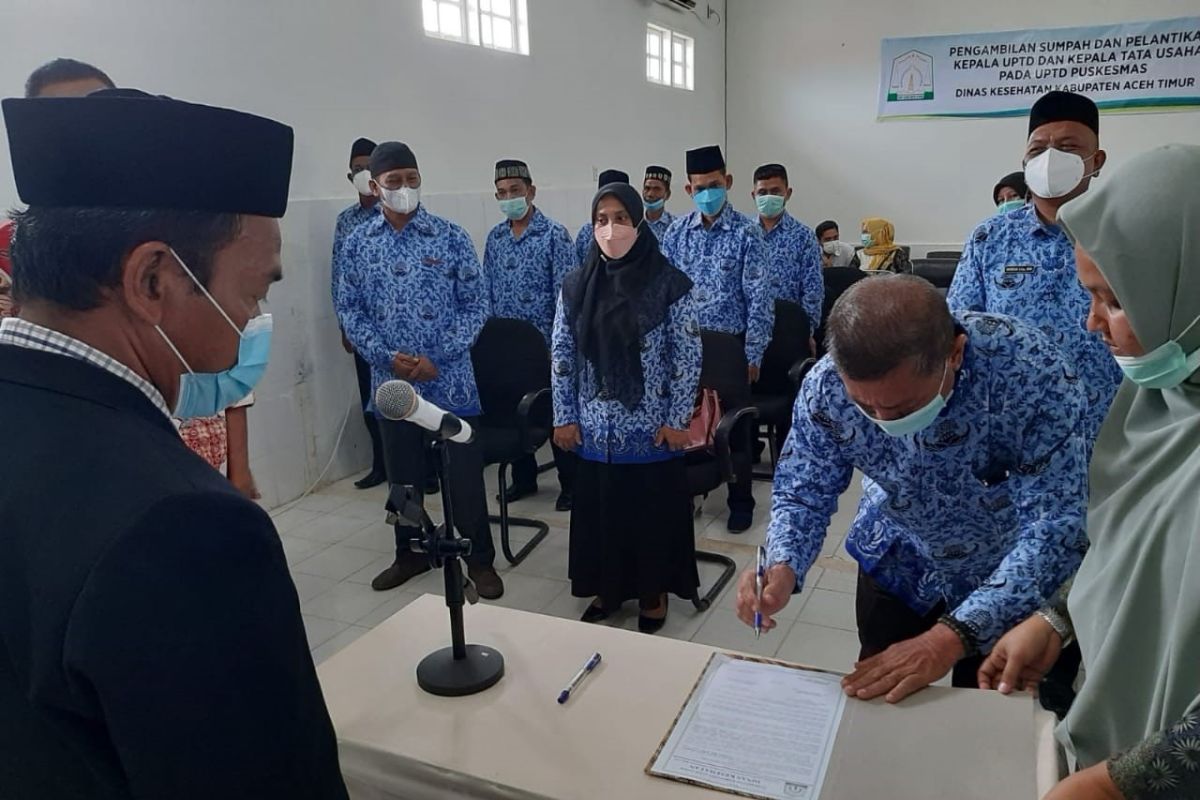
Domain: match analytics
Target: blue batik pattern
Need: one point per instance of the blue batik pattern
(985, 509)
(794, 256)
(661, 225)
(1014, 264)
(419, 291)
(671, 372)
(348, 219)
(728, 265)
(524, 275)
(583, 243)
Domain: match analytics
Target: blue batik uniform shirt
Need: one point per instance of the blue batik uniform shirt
(985, 509)
(795, 262)
(348, 219)
(525, 274)
(583, 243)
(728, 265)
(418, 291)
(1017, 265)
(661, 225)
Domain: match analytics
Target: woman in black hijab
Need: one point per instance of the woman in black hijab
(626, 351)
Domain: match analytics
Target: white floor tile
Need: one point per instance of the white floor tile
(548, 560)
(528, 592)
(298, 550)
(378, 537)
(321, 630)
(839, 581)
(566, 605)
(831, 609)
(396, 600)
(329, 528)
(369, 510)
(310, 586)
(336, 561)
(336, 643)
(368, 573)
(725, 631)
(345, 602)
(322, 502)
(820, 647)
(293, 518)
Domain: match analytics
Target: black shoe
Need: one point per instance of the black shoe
(370, 480)
(403, 570)
(596, 613)
(487, 582)
(652, 624)
(740, 521)
(565, 502)
(516, 493)
(432, 486)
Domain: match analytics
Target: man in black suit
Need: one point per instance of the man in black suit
(151, 643)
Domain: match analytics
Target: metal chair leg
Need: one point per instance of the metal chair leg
(506, 522)
(729, 568)
(762, 475)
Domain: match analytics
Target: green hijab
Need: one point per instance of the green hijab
(1135, 602)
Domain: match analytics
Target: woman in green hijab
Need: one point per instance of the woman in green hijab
(1134, 729)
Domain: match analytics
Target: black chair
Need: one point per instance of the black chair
(723, 369)
(512, 371)
(952, 255)
(837, 281)
(775, 391)
(939, 272)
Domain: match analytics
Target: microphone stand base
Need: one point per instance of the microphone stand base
(441, 674)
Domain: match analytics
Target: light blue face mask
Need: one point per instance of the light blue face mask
(866, 240)
(205, 394)
(918, 420)
(1009, 205)
(1164, 367)
(710, 201)
(514, 207)
(769, 205)
(655, 205)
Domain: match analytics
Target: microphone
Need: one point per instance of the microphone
(398, 400)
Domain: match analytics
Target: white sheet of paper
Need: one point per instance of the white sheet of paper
(759, 729)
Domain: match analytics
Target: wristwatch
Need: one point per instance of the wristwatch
(1061, 625)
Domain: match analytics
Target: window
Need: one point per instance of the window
(670, 58)
(496, 24)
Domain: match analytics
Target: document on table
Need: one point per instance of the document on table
(755, 728)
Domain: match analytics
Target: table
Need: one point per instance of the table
(514, 742)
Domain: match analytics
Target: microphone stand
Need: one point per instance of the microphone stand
(460, 669)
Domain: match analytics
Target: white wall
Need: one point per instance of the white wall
(352, 68)
(803, 77)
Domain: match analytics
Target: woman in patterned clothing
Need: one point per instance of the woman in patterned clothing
(1135, 603)
(626, 351)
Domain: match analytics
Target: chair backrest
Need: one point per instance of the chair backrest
(789, 344)
(723, 368)
(837, 281)
(953, 255)
(939, 272)
(510, 360)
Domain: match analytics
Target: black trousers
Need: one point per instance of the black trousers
(525, 470)
(884, 620)
(407, 455)
(362, 371)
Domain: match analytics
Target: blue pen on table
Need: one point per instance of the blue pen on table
(760, 573)
(578, 679)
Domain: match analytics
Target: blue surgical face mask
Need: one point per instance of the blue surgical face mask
(514, 207)
(1009, 205)
(655, 205)
(866, 240)
(918, 420)
(710, 201)
(770, 205)
(205, 394)
(1164, 367)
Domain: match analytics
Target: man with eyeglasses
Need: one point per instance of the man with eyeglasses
(1023, 265)
(525, 260)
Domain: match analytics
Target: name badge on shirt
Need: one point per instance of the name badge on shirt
(430, 261)
(1020, 269)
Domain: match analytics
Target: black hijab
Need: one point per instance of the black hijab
(611, 304)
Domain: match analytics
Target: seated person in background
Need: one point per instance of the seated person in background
(1010, 193)
(412, 301)
(834, 252)
(1135, 603)
(66, 77)
(525, 260)
(223, 440)
(583, 239)
(625, 377)
(968, 431)
(880, 249)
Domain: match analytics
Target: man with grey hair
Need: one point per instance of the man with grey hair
(969, 430)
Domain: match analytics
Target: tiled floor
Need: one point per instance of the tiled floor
(336, 542)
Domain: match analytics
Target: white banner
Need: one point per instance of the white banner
(1137, 66)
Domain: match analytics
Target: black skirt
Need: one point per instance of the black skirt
(631, 532)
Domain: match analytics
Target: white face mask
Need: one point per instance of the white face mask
(1054, 173)
(830, 248)
(403, 200)
(362, 182)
